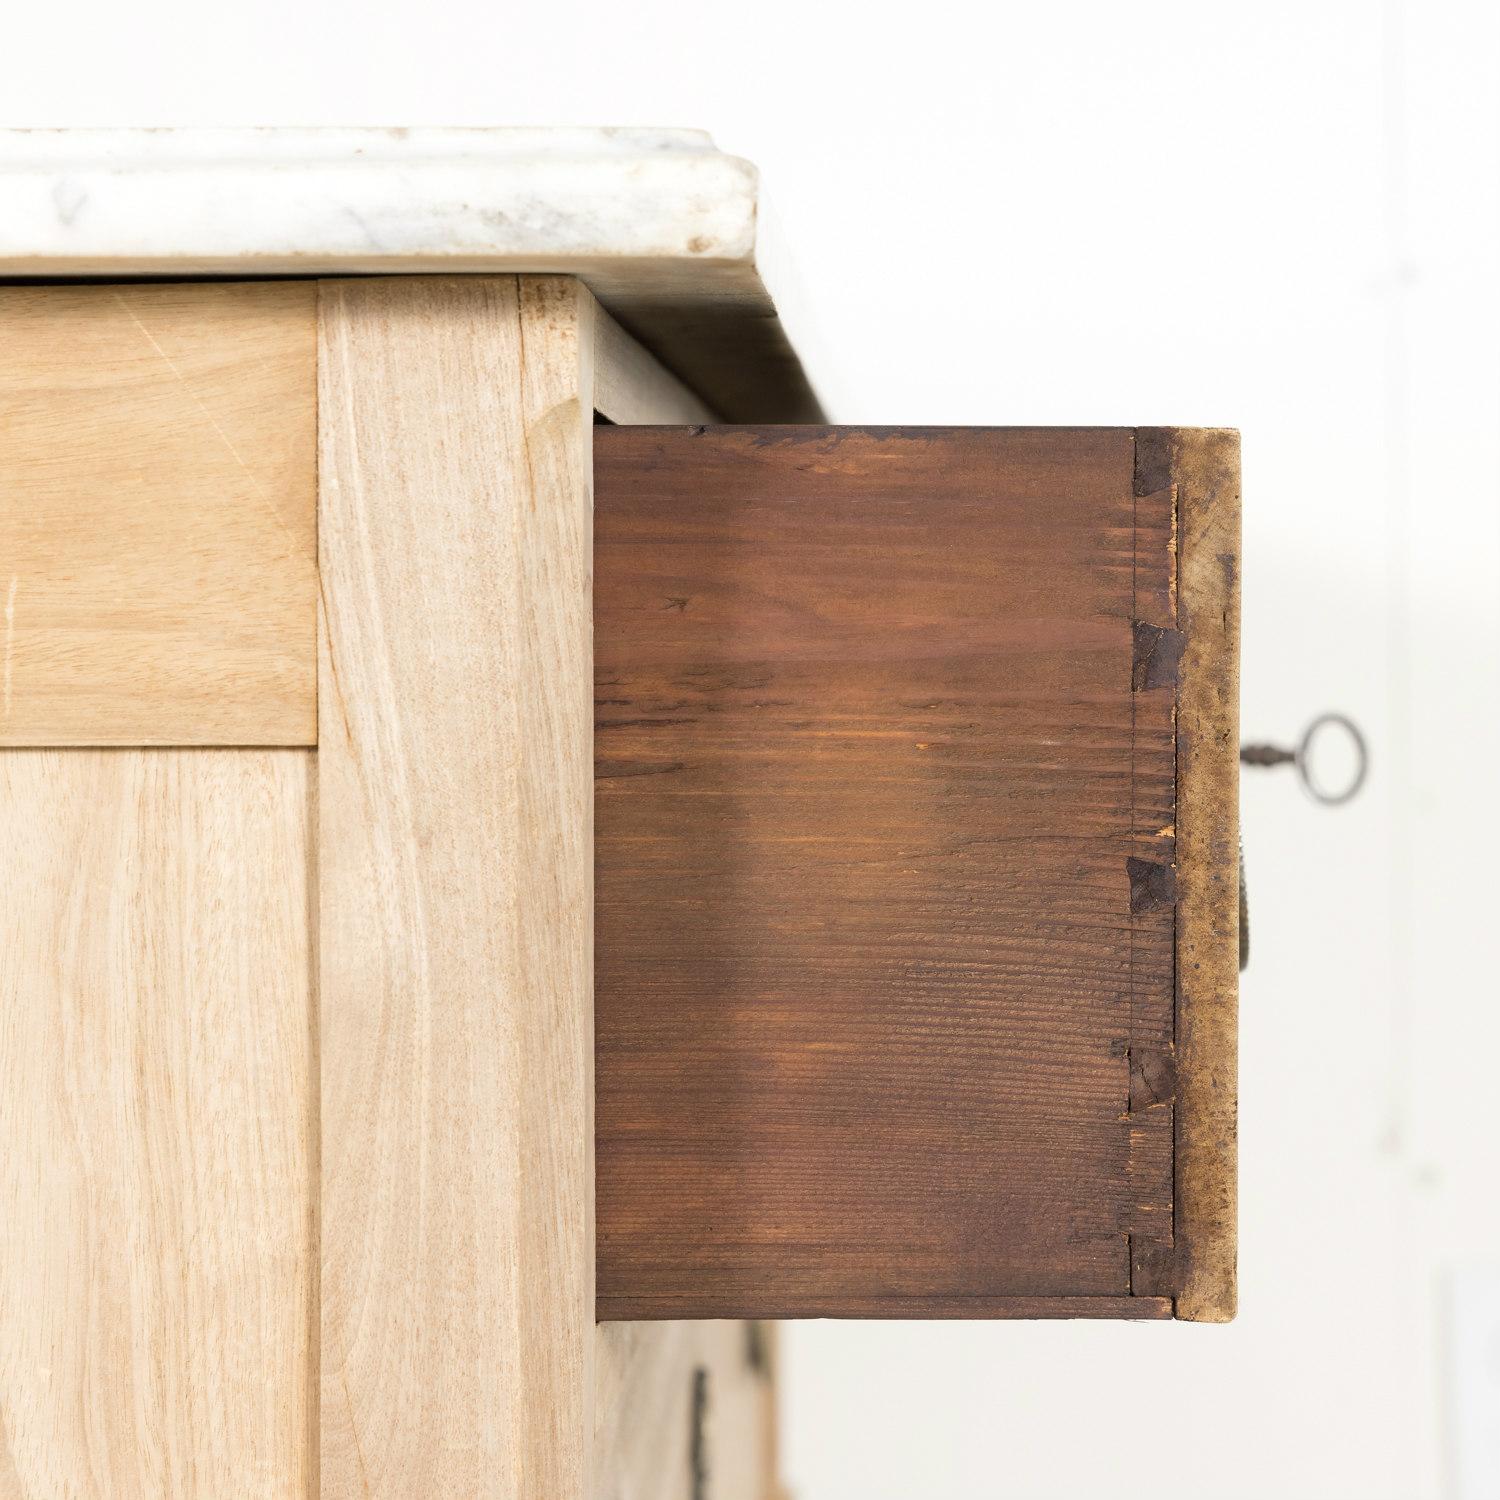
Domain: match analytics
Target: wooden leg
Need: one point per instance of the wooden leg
(456, 880)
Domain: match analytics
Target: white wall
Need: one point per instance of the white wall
(1281, 216)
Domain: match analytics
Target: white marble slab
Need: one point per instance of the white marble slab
(668, 231)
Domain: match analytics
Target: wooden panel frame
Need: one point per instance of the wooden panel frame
(456, 878)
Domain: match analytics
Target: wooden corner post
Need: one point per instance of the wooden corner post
(455, 824)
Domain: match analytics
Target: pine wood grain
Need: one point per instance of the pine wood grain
(877, 772)
(455, 879)
(157, 569)
(157, 1265)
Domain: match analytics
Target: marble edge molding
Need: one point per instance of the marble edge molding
(347, 199)
(664, 228)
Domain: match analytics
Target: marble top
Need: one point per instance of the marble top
(669, 232)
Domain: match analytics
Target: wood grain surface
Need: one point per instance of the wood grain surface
(1203, 468)
(157, 558)
(157, 1261)
(885, 828)
(455, 879)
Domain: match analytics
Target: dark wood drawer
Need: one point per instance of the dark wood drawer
(916, 871)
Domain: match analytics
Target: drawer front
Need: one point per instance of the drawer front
(915, 871)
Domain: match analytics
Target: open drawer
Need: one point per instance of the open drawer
(916, 871)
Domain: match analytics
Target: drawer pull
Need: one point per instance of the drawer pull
(1303, 758)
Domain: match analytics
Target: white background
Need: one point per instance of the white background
(1278, 216)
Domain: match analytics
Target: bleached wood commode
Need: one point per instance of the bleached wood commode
(915, 861)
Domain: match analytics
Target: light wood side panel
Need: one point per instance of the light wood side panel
(156, 1257)
(455, 778)
(157, 468)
